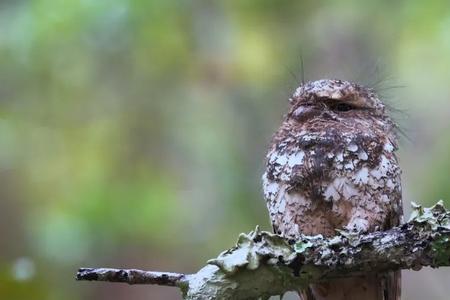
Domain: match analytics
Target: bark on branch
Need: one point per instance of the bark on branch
(263, 264)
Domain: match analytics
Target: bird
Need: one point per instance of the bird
(332, 165)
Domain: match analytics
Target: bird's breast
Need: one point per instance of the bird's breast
(314, 180)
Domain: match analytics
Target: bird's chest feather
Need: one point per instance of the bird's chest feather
(314, 182)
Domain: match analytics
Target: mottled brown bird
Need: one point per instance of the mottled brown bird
(332, 165)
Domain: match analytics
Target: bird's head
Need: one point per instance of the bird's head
(334, 99)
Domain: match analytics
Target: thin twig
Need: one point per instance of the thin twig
(130, 276)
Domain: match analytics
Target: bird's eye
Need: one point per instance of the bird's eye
(343, 107)
(340, 106)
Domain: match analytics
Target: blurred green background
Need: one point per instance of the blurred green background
(133, 133)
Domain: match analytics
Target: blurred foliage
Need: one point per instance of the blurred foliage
(133, 133)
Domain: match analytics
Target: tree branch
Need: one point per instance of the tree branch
(263, 264)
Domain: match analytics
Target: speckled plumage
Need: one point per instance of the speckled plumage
(332, 165)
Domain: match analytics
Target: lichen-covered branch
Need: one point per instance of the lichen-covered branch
(263, 264)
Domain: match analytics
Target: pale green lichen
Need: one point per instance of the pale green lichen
(441, 248)
(251, 250)
(263, 264)
(257, 265)
(301, 247)
(436, 216)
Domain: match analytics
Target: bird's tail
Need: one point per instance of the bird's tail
(385, 286)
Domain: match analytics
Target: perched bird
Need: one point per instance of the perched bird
(332, 165)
